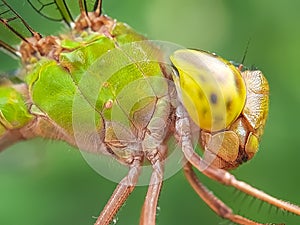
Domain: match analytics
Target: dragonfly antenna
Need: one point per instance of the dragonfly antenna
(241, 66)
(246, 51)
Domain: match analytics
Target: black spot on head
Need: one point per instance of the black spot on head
(200, 95)
(228, 104)
(238, 82)
(204, 110)
(213, 98)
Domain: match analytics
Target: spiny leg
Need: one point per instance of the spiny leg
(211, 200)
(121, 193)
(148, 215)
(222, 176)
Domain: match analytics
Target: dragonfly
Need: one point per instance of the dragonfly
(106, 89)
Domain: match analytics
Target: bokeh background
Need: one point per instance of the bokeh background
(46, 182)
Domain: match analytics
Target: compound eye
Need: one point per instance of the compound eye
(213, 90)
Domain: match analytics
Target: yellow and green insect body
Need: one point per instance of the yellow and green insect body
(230, 107)
(106, 89)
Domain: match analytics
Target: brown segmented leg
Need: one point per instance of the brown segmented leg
(211, 200)
(148, 215)
(121, 193)
(222, 176)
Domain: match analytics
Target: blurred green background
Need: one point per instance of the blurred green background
(45, 182)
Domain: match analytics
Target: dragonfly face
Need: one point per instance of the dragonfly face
(105, 89)
(223, 102)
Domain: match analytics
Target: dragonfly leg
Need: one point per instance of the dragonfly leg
(222, 176)
(211, 200)
(121, 193)
(148, 215)
(155, 152)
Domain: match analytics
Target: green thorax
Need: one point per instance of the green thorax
(96, 74)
